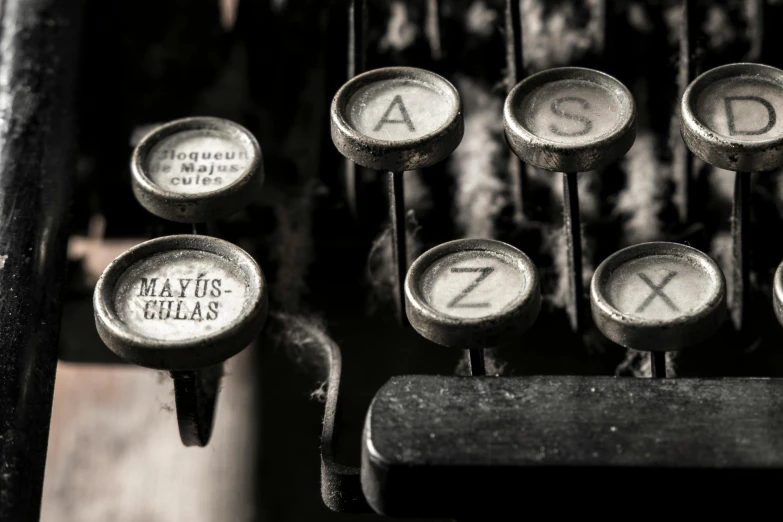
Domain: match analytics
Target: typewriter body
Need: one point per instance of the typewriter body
(360, 398)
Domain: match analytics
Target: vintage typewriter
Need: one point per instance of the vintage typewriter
(490, 257)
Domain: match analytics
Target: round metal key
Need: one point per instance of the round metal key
(197, 169)
(732, 117)
(180, 302)
(472, 293)
(397, 119)
(777, 293)
(658, 296)
(570, 119)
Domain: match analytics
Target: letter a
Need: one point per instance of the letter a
(397, 101)
(733, 131)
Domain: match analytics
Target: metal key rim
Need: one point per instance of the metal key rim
(189, 354)
(401, 155)
(479, 332)
(719, 150)
(777, 293)
(207, 206)
(658, 335)
(563, 157)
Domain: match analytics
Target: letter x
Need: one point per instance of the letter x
(657, 291)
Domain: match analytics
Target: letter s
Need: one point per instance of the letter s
(558, 111)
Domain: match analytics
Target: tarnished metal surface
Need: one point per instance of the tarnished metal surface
(487, 327)
(579, 156)
(195, 394)
(462, 446)
(403, 155)
(718, 149)
(635, 327)
(38, 50)
(181, 350)
(209, 204)
(777, 293)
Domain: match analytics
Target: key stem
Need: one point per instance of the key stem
(399, 239)
(572, 225)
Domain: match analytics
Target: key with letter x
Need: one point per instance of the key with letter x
(472, 294)
(397, 119)
(658, 297)
(732, 118)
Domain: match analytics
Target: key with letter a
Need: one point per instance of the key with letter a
(397, 119)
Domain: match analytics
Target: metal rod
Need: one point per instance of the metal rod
(433, 29)
(683, 159)
(200, 228)
(516, 62)
(516, 72)
(399, 238)
(477, 365)
(37, 167)
(658, 364)
(357, 36)
(195, 394)
(572, 226)
(601, 17)
(755, 28)
(740, 235)
(357, 62)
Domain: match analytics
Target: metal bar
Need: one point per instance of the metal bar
(687, 71)
(572, 226)
(39, 41)
(516, 71)
(477, 364)
(433, 29)
(601, 16)
(633, 433)
(341, 487)
(755, 28)
(740, 235)
(195, 394)
(357, 62)
(399, 239)
(357, 37)
(658, 364)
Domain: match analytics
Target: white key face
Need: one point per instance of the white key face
(398, 110)
(744, 108)
(570, 111)
(180, 295)
(659, 288)
(197, 161)
(473, 284)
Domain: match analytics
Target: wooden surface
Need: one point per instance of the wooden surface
(115, 454)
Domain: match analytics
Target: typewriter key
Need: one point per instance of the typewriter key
(730, 120)
(185, 304)
(777, 293)
(658, 297)
(570, 120)
(397, 119)
(197, 169)
(472, 294)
